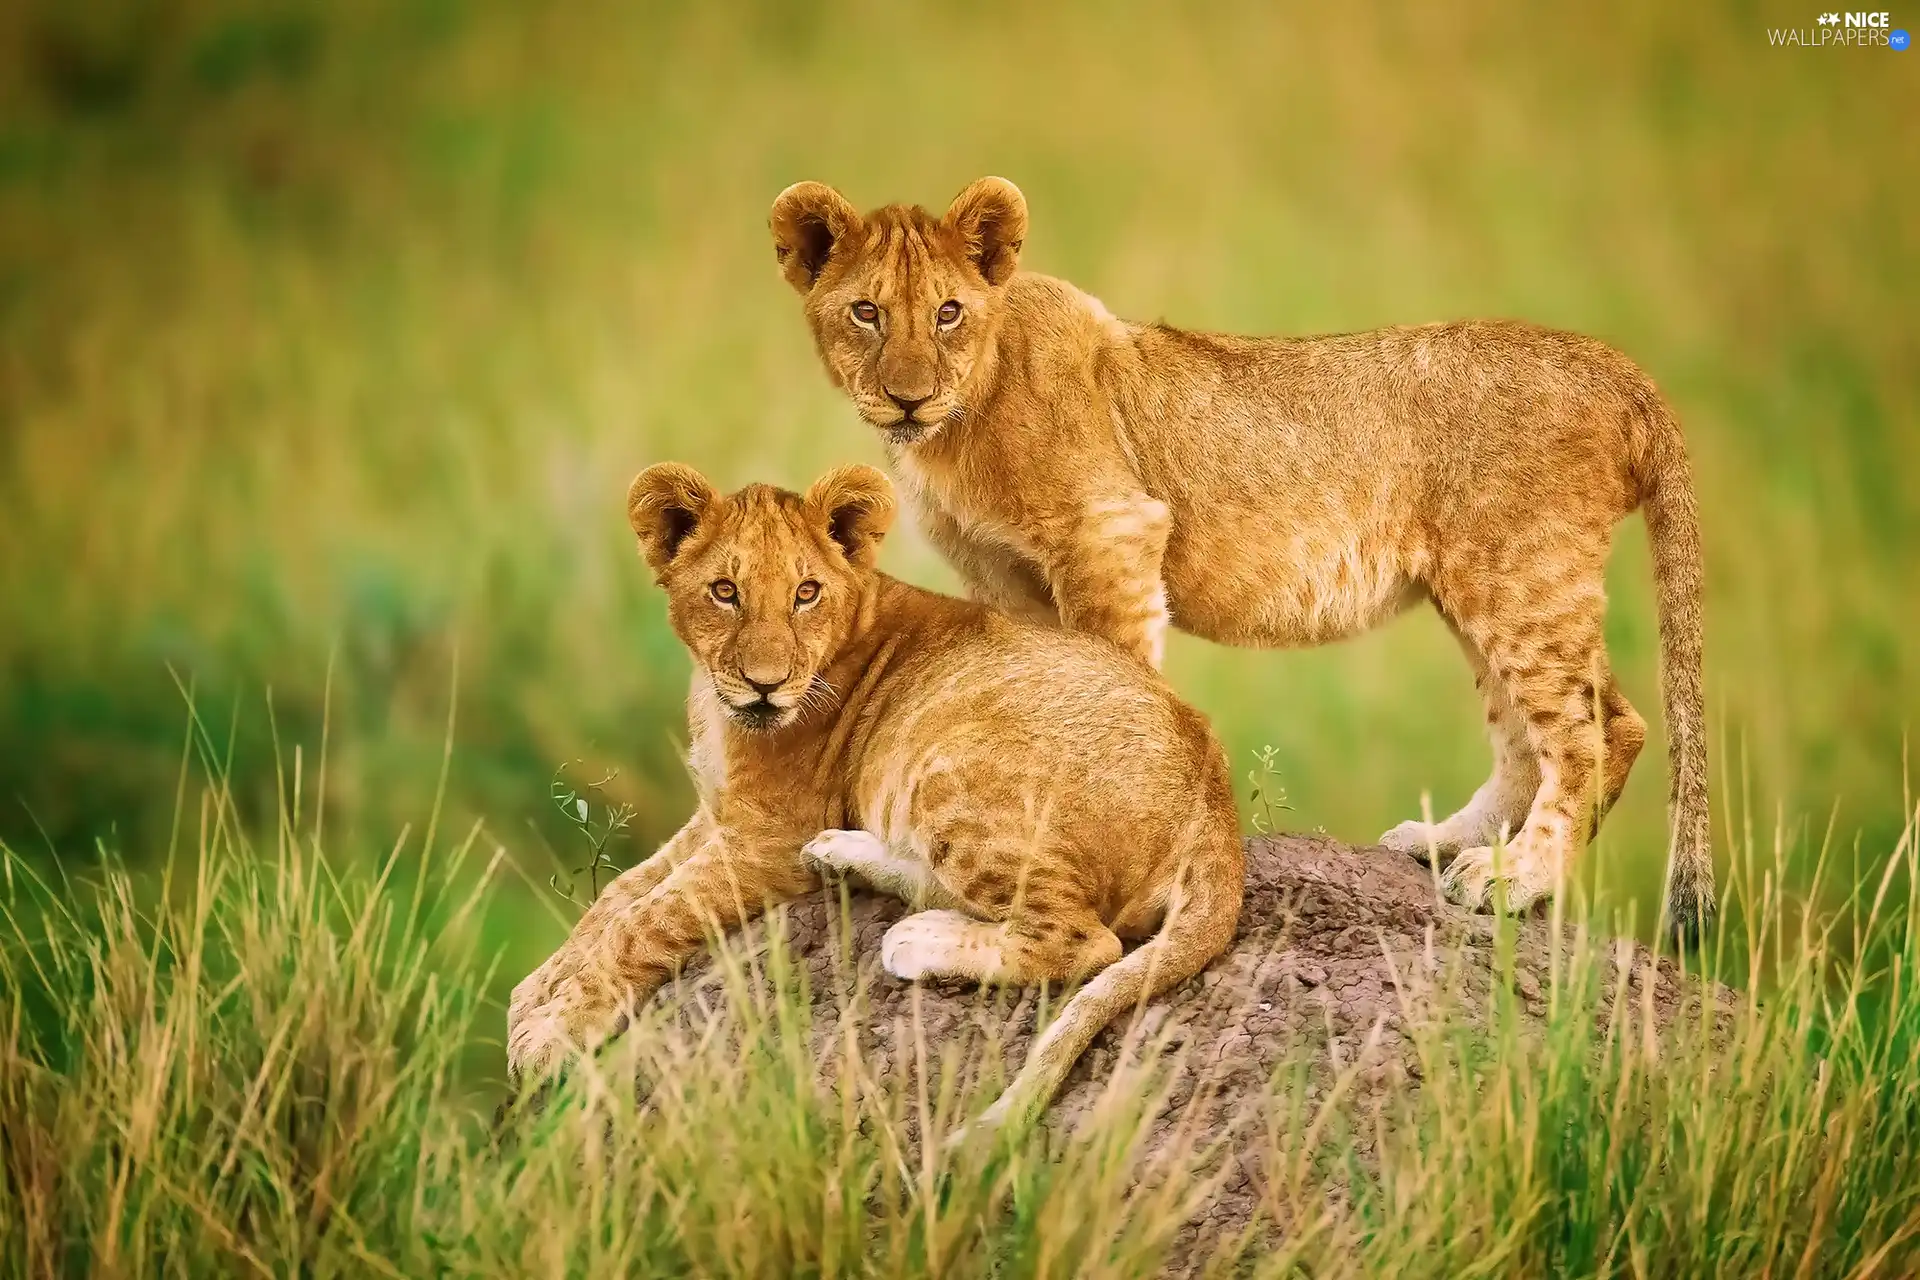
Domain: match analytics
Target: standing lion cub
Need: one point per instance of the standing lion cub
(1036, 795)
(1115, 477)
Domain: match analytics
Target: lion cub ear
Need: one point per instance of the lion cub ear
(808, 220)
(665, 503)
(991, 215)
(856, 502)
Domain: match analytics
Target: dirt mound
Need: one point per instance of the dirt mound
(1338, 948)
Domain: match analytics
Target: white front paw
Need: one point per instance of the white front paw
(1414, 837)
(842, 851)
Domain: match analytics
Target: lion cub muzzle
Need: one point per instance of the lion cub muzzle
(765, 682)
(909, 383)
(756, 703)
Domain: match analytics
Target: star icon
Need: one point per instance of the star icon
(1829, 19)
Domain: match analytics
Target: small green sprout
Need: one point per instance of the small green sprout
(598, 834)
(1268, 794)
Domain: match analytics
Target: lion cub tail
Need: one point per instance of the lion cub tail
(1202, 914)
(1673, 528)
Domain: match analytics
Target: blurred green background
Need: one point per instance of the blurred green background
(333, 332)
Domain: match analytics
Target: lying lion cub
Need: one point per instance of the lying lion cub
(1037, 796)
(1115, 477)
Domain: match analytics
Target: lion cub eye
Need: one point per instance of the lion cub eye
(808, 592)
(949, 314)
(723, 591)
(866, 313)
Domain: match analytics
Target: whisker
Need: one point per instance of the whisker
(819, 694)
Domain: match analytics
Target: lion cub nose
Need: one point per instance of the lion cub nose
(907, 404)
(764, 688)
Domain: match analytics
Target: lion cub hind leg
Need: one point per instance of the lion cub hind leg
(1541, 637)
(1020, 952)
(1499, 808)
(1586, 749)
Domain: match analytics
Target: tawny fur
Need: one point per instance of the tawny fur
(1041, 795)
(1119, 477)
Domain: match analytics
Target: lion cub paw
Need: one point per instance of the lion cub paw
(1513, 879)
(844, 851)
(931, 944)
(539, 1037)
(555, 1017)
(1420, 840)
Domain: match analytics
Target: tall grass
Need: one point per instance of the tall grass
(1755, 1136)
(253, 1065)
(257, 1067)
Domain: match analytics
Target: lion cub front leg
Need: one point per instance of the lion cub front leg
(1106, 573)
(637, 932)
(867, 858)
(994, 575)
